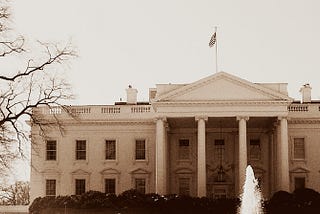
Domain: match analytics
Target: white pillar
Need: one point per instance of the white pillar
(161, 163)
(201, 172)
(283, 159)
(242, 150)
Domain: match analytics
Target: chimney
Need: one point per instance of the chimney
(305, 91)
(131, 95)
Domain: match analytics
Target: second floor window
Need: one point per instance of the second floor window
(219, 150)
(140, 149)
(80, 150)
(184, 149)
(51, 150)
(255, 149)
(298, 148)
(110, 149)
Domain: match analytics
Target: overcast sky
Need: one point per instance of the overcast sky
(145, 42)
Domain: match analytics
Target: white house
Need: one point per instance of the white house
(193, 139)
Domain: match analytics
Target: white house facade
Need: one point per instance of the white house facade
(191, 139)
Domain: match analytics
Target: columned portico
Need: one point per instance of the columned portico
(201, 170)
(161, 162)
(283, 155)
(242, 149)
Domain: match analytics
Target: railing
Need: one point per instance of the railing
(140, 109)
(298, 108)
(110, 110)
(95, 111)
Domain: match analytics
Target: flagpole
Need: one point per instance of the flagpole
(215, 30)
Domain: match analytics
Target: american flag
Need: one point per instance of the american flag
(212, 40)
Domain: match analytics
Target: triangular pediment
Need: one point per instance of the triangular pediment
(299, 170)
(80, 172)
(139, 171)
(220, 87)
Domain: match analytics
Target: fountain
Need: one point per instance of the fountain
(251, 196)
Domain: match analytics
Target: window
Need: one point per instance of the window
(50, 187)
(299, 182)
(80, 186)
(51, 153)
(255, 149)
(80, 150)
(110, 185)
(110, 149)
(219, 150)
(140, 149)
(184, 186)
(184, 149)
(298, 148)
(140, 185)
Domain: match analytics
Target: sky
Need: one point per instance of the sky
(146, 42)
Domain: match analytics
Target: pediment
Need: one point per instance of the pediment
(80, 172)
(109, 171)
(299, 170)
(221, 87)
(183, 171)
(139, 171)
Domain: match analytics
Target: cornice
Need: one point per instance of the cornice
(304, 121)
(223, 102)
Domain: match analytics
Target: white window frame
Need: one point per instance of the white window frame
(110, 173)
(75, 150)
(146, 160)
(293, 148)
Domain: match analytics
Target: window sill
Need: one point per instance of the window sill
(141, 161)
(110, 162)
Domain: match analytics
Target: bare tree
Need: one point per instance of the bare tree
(15, 194)
(35, 82)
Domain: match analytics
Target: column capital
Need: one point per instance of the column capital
(283, 117)
(162, 118)
(246, 118)
(201, 117)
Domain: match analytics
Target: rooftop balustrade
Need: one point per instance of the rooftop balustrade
(97, 112)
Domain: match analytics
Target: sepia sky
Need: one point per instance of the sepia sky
(145, 42)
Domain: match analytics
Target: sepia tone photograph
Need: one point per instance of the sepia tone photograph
(151, 107)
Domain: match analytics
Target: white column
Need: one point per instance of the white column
(283, 159)
(201, 172)
(161, 163)
(242, 150)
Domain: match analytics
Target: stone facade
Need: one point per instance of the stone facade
(194, 139)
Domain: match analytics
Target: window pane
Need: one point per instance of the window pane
(219, 149)
(184, 149)
(184, 186)
(80, 150)
(140, 185)
(140, 149)
(51, 187)
(51, 153)
(299, 149)
(255, 149)
(110, 186)
(80, 186)
(110, 149)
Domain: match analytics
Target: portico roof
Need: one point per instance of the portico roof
(223, 86)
